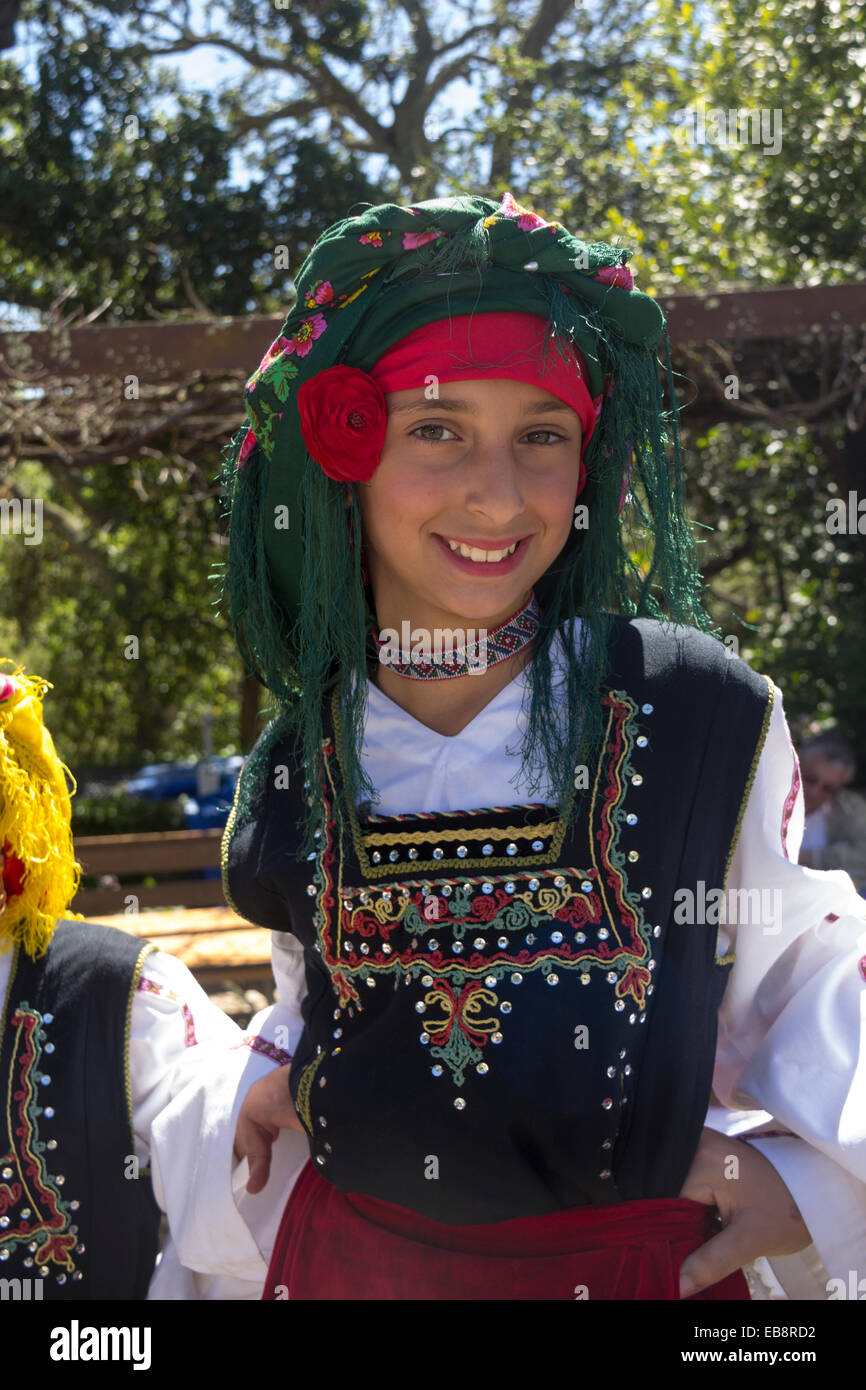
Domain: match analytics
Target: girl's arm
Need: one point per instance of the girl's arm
(792, 1027)
(191, 1069)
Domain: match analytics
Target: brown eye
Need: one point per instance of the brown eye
(551, 435)
(431, 426)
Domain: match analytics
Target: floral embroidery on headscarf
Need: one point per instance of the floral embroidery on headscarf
(527, 221)
(247, 447)
(412, 240)
(278, 375)
(322, 292)
(617, 276)
(276, 347)
(310, 329)
(261, 430)
(275, 369)
(372, 238)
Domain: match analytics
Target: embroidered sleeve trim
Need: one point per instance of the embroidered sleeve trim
(148, 986)
(267, 1049)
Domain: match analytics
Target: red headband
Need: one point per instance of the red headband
(343, 412)
(471, 346)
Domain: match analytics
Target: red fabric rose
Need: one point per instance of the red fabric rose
(13, 872)
(343, 422)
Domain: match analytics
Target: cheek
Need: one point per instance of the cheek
(396, 504)
(555, 500)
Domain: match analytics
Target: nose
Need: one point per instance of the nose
(494, 482)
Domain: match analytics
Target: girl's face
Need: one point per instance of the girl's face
(489, 464)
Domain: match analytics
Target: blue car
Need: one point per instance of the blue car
(203, 811)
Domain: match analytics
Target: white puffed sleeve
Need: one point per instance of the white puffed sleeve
(792, 1027)
(191, 1068)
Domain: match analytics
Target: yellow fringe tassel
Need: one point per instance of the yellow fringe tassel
(35, 819)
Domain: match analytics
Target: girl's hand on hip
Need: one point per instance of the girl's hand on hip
(759, 1215)
(267, 1109)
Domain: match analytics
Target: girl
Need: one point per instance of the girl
(100, 1037)
(518, 805)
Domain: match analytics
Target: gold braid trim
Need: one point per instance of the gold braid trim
(417, 837)
(371, 870)
(747, 791)
(224, 847)
(127, 1079)
(305, 1085)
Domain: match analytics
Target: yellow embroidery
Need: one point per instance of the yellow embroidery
(417, 837)
(613, 773)
(224, 846)
(127, 1079)
(305, 1085)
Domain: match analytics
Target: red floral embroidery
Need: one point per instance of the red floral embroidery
(464, 1009)
(249, 443)
(148, 986)
(412, 240)
(346, 990)
(47, 1223)
(617, 276)
(276, 347)
(634, 982)
(527, 221)
(310, 329)
(322, 292)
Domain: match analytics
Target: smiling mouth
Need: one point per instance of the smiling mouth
(472, 552)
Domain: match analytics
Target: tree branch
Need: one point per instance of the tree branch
(549, 15)
(317, 75)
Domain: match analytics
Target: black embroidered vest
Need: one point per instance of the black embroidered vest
(503, 1016)
(75, 1216)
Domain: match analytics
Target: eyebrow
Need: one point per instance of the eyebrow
(453, 403)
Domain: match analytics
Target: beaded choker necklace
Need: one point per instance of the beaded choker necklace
(422, 656)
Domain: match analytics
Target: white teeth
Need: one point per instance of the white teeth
(471, 552)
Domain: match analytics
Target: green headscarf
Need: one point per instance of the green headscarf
(299, 611)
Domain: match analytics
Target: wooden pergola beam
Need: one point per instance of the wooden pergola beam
(177, 350)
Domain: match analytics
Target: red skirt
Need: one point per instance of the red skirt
(335, 1245)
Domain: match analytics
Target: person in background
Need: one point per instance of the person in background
(835, 830)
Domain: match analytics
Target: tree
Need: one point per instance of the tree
(121, 198)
